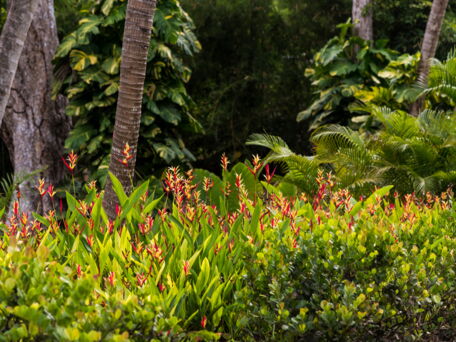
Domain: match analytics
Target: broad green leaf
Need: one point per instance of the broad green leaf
(106, 7)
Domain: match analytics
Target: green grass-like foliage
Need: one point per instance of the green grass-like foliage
(278, 268)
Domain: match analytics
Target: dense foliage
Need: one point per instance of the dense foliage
(88, 62)
(328, 266)
(356, 242)
(414, 154)
(348, 70)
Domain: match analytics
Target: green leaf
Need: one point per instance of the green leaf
(67, 44)
(151, 206)
(118, 189)
(111, 65)
(133, 200)
(170, 114)
(106, 7)
(79, 60)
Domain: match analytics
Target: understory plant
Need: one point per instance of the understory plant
(348, 70)
(325, 267)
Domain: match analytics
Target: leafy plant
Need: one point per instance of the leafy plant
(300, 171)
(277, 268)
(9, 184)
(7, 187)
(344, 66)
(414, 154)
(87, 65)
(397, 89)
(440, 91)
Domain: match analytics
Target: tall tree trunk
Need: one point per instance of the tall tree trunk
(429, 47)
(363, 19)
(35, 126)
(136, 40)
(12, 39)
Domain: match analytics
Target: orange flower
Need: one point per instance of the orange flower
(41, 188)
(111, 278)
(70, 161)
(127, 155)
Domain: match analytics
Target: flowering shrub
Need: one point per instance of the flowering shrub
(182, 268)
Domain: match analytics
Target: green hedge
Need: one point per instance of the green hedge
(278, 268)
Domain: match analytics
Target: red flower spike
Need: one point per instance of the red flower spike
(269, 175)
(110, 227)
(207, 184)
(79, 271)
(186, 267)
(50, 191)
(70, 161)
(141, 279)
(111, 278)
(203, 322)
(127, 155)
(16, 208)
(118, 210)
(89, 240)
(224, 162)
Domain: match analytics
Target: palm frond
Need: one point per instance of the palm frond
(300, 170)
(334, 137)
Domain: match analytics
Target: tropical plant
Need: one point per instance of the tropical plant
(288, 269)
(440, 91)
(345, 65)
(414, 154)
(9, 184)
(300, 171)
(87, 65)
(397, 89)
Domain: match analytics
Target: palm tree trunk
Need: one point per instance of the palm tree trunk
(12, 39)
(363, 19)
(136, 40)
(429, 47)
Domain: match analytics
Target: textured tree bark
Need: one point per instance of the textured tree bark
(429, 47)
(12, 39)
(363, 19)
(35, 126)
(136, 41)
